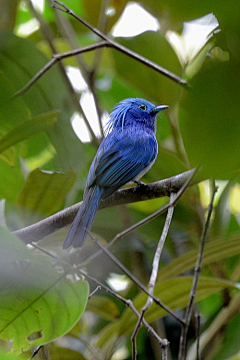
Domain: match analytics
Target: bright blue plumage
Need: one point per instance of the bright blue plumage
(126, 154)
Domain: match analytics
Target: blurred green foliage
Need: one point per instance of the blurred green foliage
(43, 164)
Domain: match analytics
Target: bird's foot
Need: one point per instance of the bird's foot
(139, 183)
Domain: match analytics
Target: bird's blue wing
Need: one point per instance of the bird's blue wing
(120, 158)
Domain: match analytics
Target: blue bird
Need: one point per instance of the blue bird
(126, 154)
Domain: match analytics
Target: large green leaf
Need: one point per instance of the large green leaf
(43, 194)
(9, 356)
(37, 304)
(27, 129)
(103, 307)
(214, 251)
(48, 94)
(173, 292)
(209, 119)
(12, 180)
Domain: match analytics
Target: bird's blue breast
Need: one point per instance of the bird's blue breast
(122, 156)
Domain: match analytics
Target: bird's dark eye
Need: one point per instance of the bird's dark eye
(142, 107)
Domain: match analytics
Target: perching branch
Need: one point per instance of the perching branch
(43, 228)
(197, 271)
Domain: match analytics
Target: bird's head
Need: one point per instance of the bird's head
(134, 110)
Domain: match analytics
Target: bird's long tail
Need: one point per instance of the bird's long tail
(82, 223)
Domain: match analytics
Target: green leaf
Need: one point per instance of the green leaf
(209, 120)
(65, 354)
(8, 356)
(43, 194)
(103, 307)
(93, 12)
(173, 292)
(12, 180)
(27, 129)
(214, 251)
(235, 357)
(222, 214)
(13, 112)
(167, 164)
(50, 93)
(153, 85)
(37, 304)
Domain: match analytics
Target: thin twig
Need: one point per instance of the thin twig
(197, 271)
(154, 273)
(69, 33)
(133, 278)
(47, 33)
(107, 43)
(35, 352)
(53, 61)
(122, 48)
(101, 26)
(164, 343)
(94, 292)
(198, 331)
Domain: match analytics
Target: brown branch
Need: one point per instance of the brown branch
(45, 227)
(122, 48)
(106, 43)
(53, 61)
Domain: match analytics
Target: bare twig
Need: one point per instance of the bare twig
(197, 271)
(106, 43)
(134, 279)
(127, 302)
(69, 33)
(198, 331)
(35, 352)
(47, 33)
(154, 273)
(94, 292)
(53, 61)
(122, 48)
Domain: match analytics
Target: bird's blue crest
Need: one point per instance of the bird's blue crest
(118, 114)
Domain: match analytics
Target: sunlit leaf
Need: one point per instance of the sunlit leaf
(9, 356)
(27, 129)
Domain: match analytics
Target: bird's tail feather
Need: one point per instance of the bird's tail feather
(82, 223)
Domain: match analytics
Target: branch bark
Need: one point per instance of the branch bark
(45, 227)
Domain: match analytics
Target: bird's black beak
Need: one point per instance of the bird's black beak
(159, 108)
